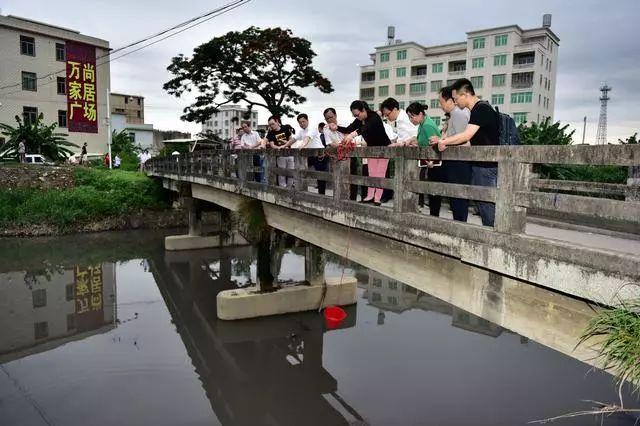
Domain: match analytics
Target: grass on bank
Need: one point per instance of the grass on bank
(619, 331)
(98, 194)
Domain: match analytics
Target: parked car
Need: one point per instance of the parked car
(75, 158)
(38, 159)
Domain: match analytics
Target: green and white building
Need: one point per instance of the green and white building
(512, 68)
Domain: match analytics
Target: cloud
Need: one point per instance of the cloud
(598, 43)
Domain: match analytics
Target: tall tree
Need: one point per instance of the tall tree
(631, 140)
(261, 67)
(39, 138)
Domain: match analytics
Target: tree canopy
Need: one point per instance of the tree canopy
(260, 67)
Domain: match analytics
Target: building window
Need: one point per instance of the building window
(393, 285)
(477, 63)
(132, 137)
(384, 74)
(376, 297)
(69, 291)
(62, 86)
(402, 105)
(29, 115)
(384, 57)
(27, 46)
(521, 98)
(392, 300)
(501, 40)
(436, 67)
(41, 330)
(434, 103)
(139, 101)
(436, 85)
(60, 52)
(478, 43)
(71, 322)
(520, 117)
(39, 298)
(477, 82)
(62, 118)
(368, 93)
(498, 80)
(497, 99)
(139, 114)
(377, 282)
(29, 80)
(499, 60)
(436, 120)
(418, 88)
(383, 91)
(401, 72)
(401, 89)
(401, 55)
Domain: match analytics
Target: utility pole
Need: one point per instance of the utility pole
(584, 129)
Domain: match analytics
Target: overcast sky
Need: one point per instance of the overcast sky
(598, 42)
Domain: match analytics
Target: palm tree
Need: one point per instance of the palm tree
(39, 139)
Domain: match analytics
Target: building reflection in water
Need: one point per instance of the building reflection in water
(264, 371)
(387, 294)
(48, 307)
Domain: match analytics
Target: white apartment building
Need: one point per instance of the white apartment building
(225, 122)
(32, 77)
(512, 68)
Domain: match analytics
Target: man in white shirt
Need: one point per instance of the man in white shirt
(399, 122)
(308, 138)
(250, 139)
(334, 138)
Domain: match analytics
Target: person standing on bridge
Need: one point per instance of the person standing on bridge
(310, 138)
(250, 139)
(482, 130)
(334, 138)
(369, 125)
(427, 128)
(458, 172)
(281, 137)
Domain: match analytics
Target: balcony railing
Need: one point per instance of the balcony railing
(457, 72)
(418, 77)
(520, 65)
(521, 84)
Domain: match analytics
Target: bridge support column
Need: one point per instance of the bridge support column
(194, 240)
(314, 260)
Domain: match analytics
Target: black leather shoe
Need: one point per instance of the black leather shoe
(377, 204)
(366, 201)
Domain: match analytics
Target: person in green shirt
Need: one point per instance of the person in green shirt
(426, 129)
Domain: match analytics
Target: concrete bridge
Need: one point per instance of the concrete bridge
(398, 239)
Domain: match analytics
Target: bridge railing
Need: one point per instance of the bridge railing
(515, 193)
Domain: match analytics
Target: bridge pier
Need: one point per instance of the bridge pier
(633, 184)
(195, 239)
(317, 292)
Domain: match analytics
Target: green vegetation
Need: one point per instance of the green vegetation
(98, 194)
(39, 139)
(546, 133)
(619, 327)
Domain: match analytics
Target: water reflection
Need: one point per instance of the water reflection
(146, 348)
(273, 364)
(45, 308)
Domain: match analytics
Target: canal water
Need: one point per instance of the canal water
(109, 329)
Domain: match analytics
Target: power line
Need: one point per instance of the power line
(201, 18)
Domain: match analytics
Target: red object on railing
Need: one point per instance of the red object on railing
(342, 152)
(333, 316)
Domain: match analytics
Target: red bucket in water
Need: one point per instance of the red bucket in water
(333, 316)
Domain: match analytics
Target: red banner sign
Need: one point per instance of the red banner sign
(82, 105)
(88, 295)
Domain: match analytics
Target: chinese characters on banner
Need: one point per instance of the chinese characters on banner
(88, 292)
(82, 106)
